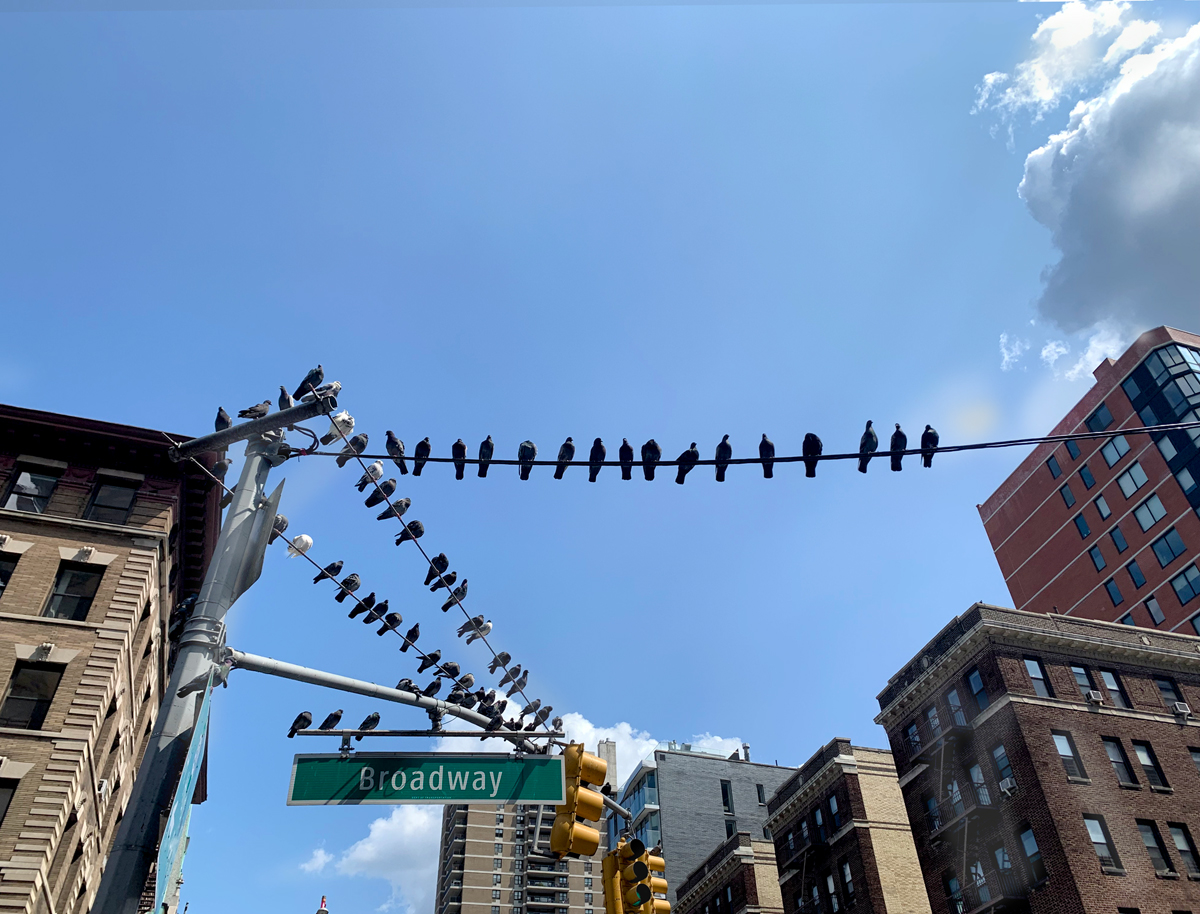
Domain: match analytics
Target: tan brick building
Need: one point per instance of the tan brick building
(739, 877)
(100, 536)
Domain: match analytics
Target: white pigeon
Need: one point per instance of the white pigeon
(374, 471)
(332, 389)
(339, 424)
(300, 545)
(481, 631)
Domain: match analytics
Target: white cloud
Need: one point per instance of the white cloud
(1053, 351)
(403, 849)
(316, 863)
(1011, 350)
(1107, 340)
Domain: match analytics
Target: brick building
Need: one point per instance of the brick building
(100, 535)
(1051, 764)
(739, 877)
(1108, 529)
(842, 838)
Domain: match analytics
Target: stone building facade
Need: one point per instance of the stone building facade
(739, 877)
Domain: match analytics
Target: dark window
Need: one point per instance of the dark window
(835, 812)
(1101, 841)
(1114, 450)
(1068, 496)
(30, 692)
(1149, 512)
(1003, 768)
(8, 564)
(1127, 619)
(956, 711)
(1097, 558)
(727, 797)
(1033, 856)
(8, 786)
(975, 681)
(934, 819)
(31, 491)
(1185, 847)
(1168, 547)
(1118, 539)
(1195, 757)
(819, 819)
(1114, 592)
(935, 723)
(762, 794)
(1071, 761)
(1102, 507)
(1186, 584)
(1154, 846)
(1053, 467)
(1037, 675)
(1149, 762)
(1129, 385)
(1120, 762)
(847, 881)
(1073, 449)
(1155, 610)
(74, 590)
(1116, 692)
(1187, 482)
(1168, 690)
(1086, 475)
(1148, 416)
(1135, 574)
(111, 502)
(913, 735)
(730, 827)
(1100, 419)
(1082, 526)
(1132, 479)
(1083, 679)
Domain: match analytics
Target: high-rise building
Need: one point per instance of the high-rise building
(691, 802)
(739, 877)
(100, 536)
(1108, 528)
(1049, 764)
(842, 838)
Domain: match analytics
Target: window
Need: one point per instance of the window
(495, 909)
(975, 681)
(1182, 839)
(1155, 610)
(1154, 846)
(8, 564)
(730, 827)
(1101, 841)
(1033, 856)
(1114, 450)
(1037, 675)
(31, 491)
(1135, 574)
(1114, 592)
(1149, 762)
(1167, 448)
(933, 817)
(1083, 679)
(1068, 496)
(1149, 512)
(831, 888)
(1102, 506)
(767, 832)
(835, 813)
(1073, 449)
(913, 735)
(495, 894)
(587, 897)
(727, 797)
(847, 880)
(1168, 547)
(1003, 767)
(1132, 479)
(587, 882)
(499, 832)
(954, 895)
(956, 711)
(496, 877)
(1082, 526)
(1120, 763)
(74, 589)
(1086, 475)
(30, 693)
(975, 773)
(499, 818)
(587, 866)
(1127, 619)
(762, 794)
(1118, 539)
(1097, 558)
(1129, 385)
(8, 787)
(1071, 762)
(499, 849)
(1116, 692)
(1168, 690)
(1186, 584)
(111, 502)
(1100, 419)
(1053, 467)
(820, 820)
(1187, 482)
(935, 725)
(497, 863)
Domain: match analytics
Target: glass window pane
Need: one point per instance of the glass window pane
(1053, 467)
(8, 564)
(1149, 512)
(1114, 592)
(74, 589)
(30, 693)
(1073, 450)
(1102, 507)
(1097, 558)
(1118, 539)
(1100, 419)
(1155, 611)
(111, 503)
(1082, 526)
(1187, 585)
(1068, 496)
(1086, 475)
(31, 492)
(1135, 574)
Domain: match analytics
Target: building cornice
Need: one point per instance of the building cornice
(835, 768)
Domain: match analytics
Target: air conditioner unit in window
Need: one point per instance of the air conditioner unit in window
(1095, 698)
(1183, 709)
(1008, 786)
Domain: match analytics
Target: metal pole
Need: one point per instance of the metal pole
(235, 565)
(246, 431)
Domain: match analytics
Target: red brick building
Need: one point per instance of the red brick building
(739, 877)
(1108, 529)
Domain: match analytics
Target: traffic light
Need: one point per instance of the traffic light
(658, 885)
(569, 836)
(633, 890)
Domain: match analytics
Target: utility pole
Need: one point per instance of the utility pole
(236, 564)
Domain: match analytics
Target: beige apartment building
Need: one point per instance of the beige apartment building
(101, 535)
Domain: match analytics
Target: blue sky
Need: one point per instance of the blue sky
(625, 221)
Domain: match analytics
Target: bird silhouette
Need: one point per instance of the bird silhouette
(467, 680)
(518, 684)
(596, 459)
(369, 723)
(566, 454)
(557, 724)
(446, 580)
(457, 595)
(349, 584)
(480, 633)
(724, 453)
(510, 675)
(411, 638)
(458, 450)
(625, 455)
(406, 685)
(498, 661)
(420, 455)
(766, 453)
(487, 447)
(255, 412)
(396, 509)
(311, 381)
(340, 426)
(395, 449)
(353, 448)
(526, 454)
(381, 493)
(687, 460)
(223, 421)
(868, 444)
(811, 449)
(899, 442)
(373, 472)
(375, 613)
(277, 527)
(530, 708)
(332, 570)
(437, 565)
(429, 660)
(365, 605)
(331, 720)
(929, 444)
(391, 622)
(221, 467)
(469, 625)
(449, 669)
(285, 399)
(432, 689)
(413, 530)
(302, 722)
(651, 455)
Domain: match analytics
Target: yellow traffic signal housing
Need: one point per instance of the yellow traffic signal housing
(569, 836)
(612, 884)
(634, 885)
(658, 885)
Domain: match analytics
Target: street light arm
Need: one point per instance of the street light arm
(219, 441)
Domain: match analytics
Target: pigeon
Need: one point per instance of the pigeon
(375, 613)
(311, 381)
(332, 389)
(348, 585)
(510, 675)
(285, 398)
(518, 684)
(480, 633)
(458, 450)
(406, 685)
(498, 661)
(255, 412)
(353, 448)
(929, 443)
(221, 467)
(469, 625)
(413, 530)
(487, 448)
(687, 460)
(557, 724)
(625, 453)
(373, 472)
(899, 442)
(382, 492)
(395, 509)
(223, 421)
(370, 723)
(302, 722)
(340, 425)
(596, 459)
(395, 449)
(432, 689)
(811, 450)
(456, 696)
(226, 500)
(766, 453)
(526, 454)
(391, 622)
(531, 708)
(332, 570)
(331, 720)
(277, 528)
(544, 713)
(651, 454)
(499, 706)
(446, 580)
(363, 605)
(450, 670)
(429, 660)
(467, 681)
(493, 725)
(437, 565)
(411, 638)
(420, 455)
(566, 454)
(300, 545)
(457, 595)
(724, 452)
(868, 444)
(469, 700)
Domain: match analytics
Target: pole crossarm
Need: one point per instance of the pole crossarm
(219, 441)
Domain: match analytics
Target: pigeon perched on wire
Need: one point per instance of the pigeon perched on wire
(223, 421)
(381, 493)
(406, 685)
(929, 444)
(413, 530)
(487, 447)
(411, 638)
(311, 381)
(518, 684)
(530, 708)
(391, 621)
(625, 455)
(457, 595)
(221, 467)
(421, 454)
(449, 669)
(285, 398)
(596, 459)
(277, 528)
(348, 585)
(724, 453)
(543, 714)
(446, 580)
(687, 461)
(456, 696)
(557, 724)
(566, 454)
(331, 720)
(437, 565)
(498, 661)
(302, 722)
(469, 700)
(492, 726)
(868, 444)
(365, 605)
(353, 448)
(340, 424)
(332, 389)
(332, 570)
(395, 509)
(375, 613)
(899, 442)
(481, 632)
(766, 453)
(255, 412)
(469, 625)
(510, 675)
(432, 689)
(467, 680)
(458, 451)
(300, 545)
(651, 455)
(526, 454)
(373, 472)
(429, 660)
(395, 449)
(811, 450)
(370, 723)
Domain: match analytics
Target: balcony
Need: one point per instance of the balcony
(923, 742)
(971, 802)
(806, 855)
(1001, 891)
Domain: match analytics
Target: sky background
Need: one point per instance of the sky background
(674, 222)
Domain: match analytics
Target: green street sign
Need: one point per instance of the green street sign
(425, 777)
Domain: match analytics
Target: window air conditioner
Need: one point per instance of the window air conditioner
(1008, 786)
(1183, 709)
(1095, 698)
